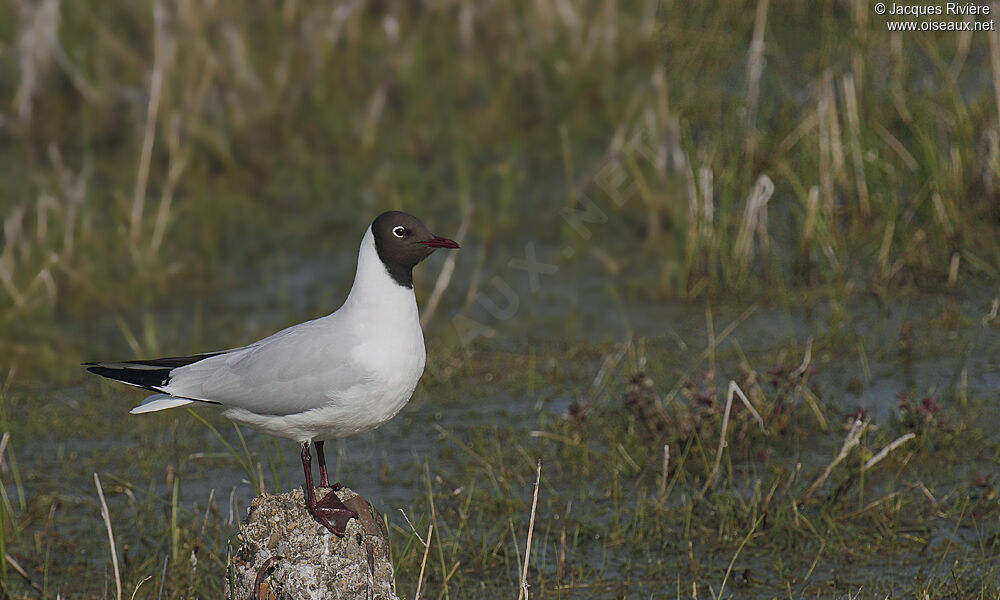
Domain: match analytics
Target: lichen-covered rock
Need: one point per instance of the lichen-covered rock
(315, 564)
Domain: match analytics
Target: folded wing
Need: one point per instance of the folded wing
(298, 369)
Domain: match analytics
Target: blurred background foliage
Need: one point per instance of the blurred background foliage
(151, 150)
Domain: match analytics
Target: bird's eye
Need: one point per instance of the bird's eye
(399, 231)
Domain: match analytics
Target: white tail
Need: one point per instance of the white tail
(159, 402)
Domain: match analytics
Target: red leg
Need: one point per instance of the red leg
(324, 479)
(329, 511)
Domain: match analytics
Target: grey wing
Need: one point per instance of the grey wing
(297, 369)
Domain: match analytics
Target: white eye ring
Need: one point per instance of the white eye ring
(399, 231)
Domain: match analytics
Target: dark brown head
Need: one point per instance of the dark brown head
(402, 241)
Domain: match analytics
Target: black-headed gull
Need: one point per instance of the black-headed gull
(332, 377)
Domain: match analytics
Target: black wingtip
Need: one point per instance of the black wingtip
(147, 379)
(149, 374)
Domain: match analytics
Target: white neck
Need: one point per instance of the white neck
(374, 290)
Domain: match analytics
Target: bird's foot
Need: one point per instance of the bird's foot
(334, 519)
(331, 512)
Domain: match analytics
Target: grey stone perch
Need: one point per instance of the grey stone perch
(315, 564)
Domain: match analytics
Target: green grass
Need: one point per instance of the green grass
(635, 145)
